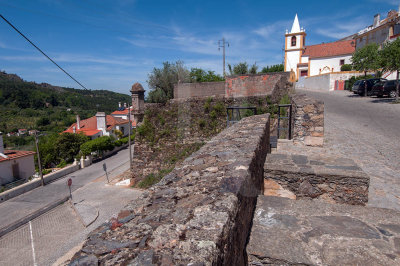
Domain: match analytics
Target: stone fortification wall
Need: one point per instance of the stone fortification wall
(203, 89)
(308, 121)
(274, 85)
(199, 214)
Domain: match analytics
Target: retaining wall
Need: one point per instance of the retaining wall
(203, 89)
(199, 214)
(258, 85)
(326, 82)
(271, 84)
(308, 120)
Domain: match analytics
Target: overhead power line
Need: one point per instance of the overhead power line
(43, 53)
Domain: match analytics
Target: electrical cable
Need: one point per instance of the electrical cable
(26, 38)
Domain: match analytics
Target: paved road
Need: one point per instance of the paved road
(25, 204)
(48, 238)
(366, 130)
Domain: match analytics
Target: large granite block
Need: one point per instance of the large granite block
(304, 232)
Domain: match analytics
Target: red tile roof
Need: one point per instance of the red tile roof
(11, 154)
(89, 126)
(121, 112)
(329, 49)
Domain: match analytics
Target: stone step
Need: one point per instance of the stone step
(305, 232)
(318, 176)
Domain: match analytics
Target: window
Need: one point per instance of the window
(294, 40)
(341, 62)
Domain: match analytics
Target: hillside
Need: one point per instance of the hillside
(46, 107)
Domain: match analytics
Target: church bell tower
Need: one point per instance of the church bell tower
(294, 47)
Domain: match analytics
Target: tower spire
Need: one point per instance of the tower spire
(296, 25)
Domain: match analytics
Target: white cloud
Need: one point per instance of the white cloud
(343, 29)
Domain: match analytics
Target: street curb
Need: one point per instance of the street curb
(5, 230)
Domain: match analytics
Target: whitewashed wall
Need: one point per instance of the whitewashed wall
(26, 169)
(332, 62)
(292, 59)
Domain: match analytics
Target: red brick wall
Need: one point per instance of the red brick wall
(255, 85)
(274, 84)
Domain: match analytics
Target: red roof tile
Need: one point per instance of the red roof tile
(11, 154)
(89, 126)
(329, 49)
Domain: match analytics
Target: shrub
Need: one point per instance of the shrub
(62, 164)
(285, 99)
(154, 178)
(146, 130)
(346, 67)
(219, 108)
(213, 115)
(161, 119)
(100, 145)
(207, 107)
(202, 123)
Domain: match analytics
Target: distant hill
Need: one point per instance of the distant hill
(47, 107)
(14, 91)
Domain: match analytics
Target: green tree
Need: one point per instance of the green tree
(200, 75)
(68, 145)
(253, 69)
(366, 58)
(239, 69)
(390, 60)
(273, 68)
(163, 79)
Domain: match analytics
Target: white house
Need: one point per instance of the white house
(99, 125)
(312, 60)
(15, 165)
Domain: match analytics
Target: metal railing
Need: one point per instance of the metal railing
(233, 114)
(288, 116)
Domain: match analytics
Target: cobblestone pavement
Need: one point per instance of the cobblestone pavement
(49, 232)
(366, 130)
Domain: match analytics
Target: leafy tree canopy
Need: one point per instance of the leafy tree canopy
(366, 58)
(273, 68)
(200, 75)
(163, 79)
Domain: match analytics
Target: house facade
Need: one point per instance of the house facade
(15, 165)
(313, 60)
(99, 125)
(106, 125)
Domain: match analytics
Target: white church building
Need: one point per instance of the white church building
(313, 60)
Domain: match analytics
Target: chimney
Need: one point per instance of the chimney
(78, 122)
(377, 20)
(1, 143)
(74, 129)
(119, 105)
(101, 121)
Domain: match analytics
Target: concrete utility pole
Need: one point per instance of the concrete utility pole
(129, 138)
(38, 158)
(221, 44)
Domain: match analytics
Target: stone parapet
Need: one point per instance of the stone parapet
(199, 214)
(308, 121)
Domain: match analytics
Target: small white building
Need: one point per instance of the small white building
(313, 60)
(15, 165)
(99, 125)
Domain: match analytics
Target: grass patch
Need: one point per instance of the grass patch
(153, 178)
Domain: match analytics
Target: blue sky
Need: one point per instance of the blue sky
(110, 44)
